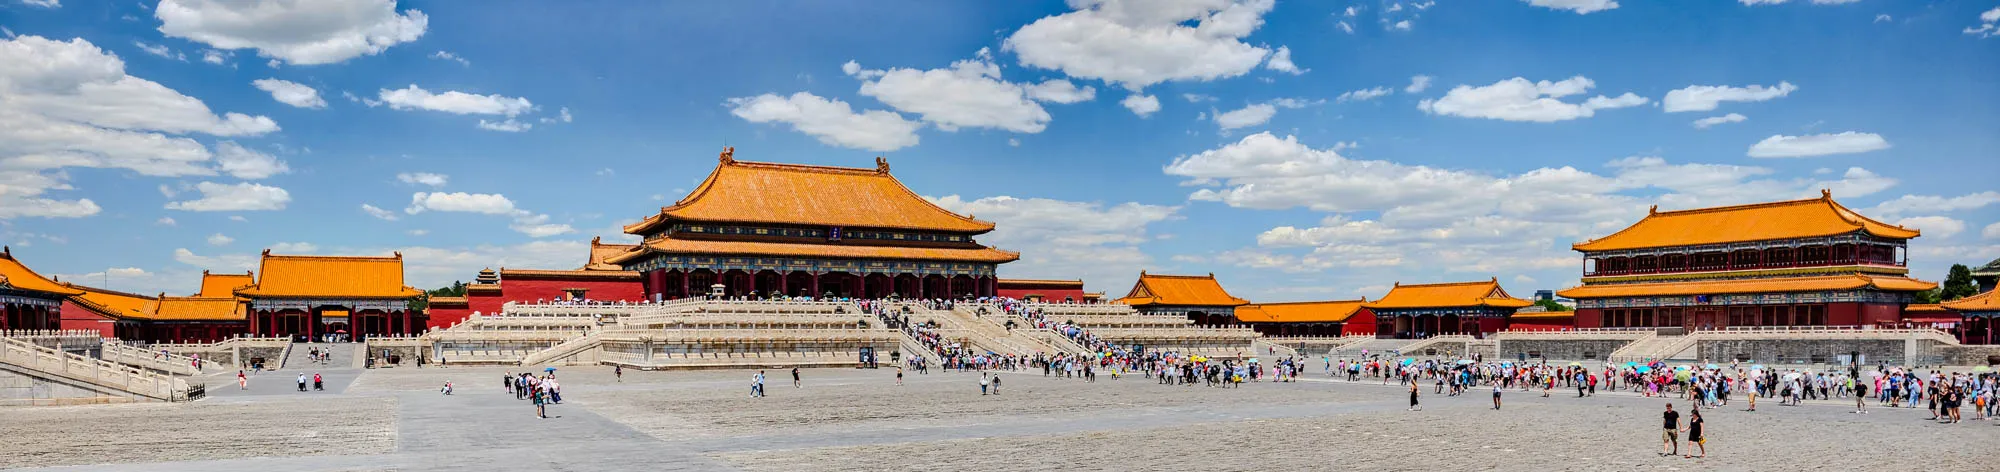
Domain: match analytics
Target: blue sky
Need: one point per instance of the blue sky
(1299, 150)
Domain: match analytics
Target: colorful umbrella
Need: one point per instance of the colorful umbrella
(1713, 366)
(1576, 364)
(1645, 369)
(1631, 364)
(1464, 361)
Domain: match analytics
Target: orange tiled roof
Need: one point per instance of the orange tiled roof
(449, 301)
(1195, 290)
(1723, 287)
(747, 248)
(20, 277)
(1330, 311)
(1531, 315)
(330, 277)
(111, 303)
(1456, 294)
(1924, 308)
(223, 285)
(758, 192)
(1981, 302)
(1757, 222)
(506, 273)
(600, 251)
(198, 309)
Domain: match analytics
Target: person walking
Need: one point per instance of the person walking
(1695, 440)
(795, 378)
(1860, 397)
(899, 376)
(1496, 395)
(541, 406)
(1670, 436)
(319, 384)
(982, 383)
(1413, 398)
(996, 385)
(619, 372)
(302, 381)
(757, 385)
(242, 382)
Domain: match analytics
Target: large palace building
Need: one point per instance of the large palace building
(1806, 262)
(758, 229)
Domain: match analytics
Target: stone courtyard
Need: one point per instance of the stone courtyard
(848, 419)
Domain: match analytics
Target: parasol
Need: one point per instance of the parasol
(1713, 366)
(1645, 369)
(1464, 361)
(1575, 364)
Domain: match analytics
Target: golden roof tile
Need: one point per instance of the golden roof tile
(1725, 287)
(329, 277)
(1981, 302)
(1743, 223)
(198, 309)
(750, 248)
(20, 277)
(1445, 295)
(448, 301)
(111, 303)
(1924, 308)
(759, 192)
(599, 251)
(223, 285)
(1330, 311)
(1538, 315)
(1192, 290)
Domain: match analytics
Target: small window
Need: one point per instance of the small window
(1587, 355)
(1535, 354)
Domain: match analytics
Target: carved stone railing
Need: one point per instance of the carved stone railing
(96, 372)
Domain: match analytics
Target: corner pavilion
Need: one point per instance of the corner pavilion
(313, 295)
(1423, 310)
(758, 229)
(1810, 262)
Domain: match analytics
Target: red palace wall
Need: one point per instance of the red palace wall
(77, 317)
(1051, 294)
(1589, 318)
(1542, 324)
(1361, 323)
(1492, 325)
(444, 317)
(530, 289)
(1837, 314)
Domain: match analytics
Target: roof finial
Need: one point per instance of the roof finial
(1655, 210)
(1826, 194)
(8, 251)
(1399, 283)
(881, 165)
(267, 252)
(399, 254)
(728, 154)
(595, 239)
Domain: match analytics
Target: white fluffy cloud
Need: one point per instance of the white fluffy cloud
(1061, 91)
(378, 212)
(969, 94)
(830, 120)
(234, 197)
(1281, 61)
(1364, 94)
(533, 224)
(1519, 99)
(1989, 24)
(1389, 214)
(423, 178)
(1704, 123)
(291, 93)
(244, 163)
(218, 239)
(1581, 7)
(1136, 43)
(1935, 226)
(448, 56)
(1818, 145)
(1992, 231)
(1252, 115)
(1418, 83)
(301, 32)
(1067, 239)
(1707, 97)
(1142, 105)
(71, 104)
(508, 125)
(452, 101)
(1933, 203)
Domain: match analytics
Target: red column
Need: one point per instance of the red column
(781, 283)
(815, 285)
(685, 277)
(310, 322)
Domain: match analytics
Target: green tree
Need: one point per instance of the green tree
(1958, 284)
(1928, 297)
(1551, 305)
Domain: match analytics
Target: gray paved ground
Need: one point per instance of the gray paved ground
(846, 419)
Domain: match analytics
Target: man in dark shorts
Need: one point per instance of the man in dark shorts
(1671, 436)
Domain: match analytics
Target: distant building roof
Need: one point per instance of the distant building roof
(599, 252)
(20, 277)
(671, 245)
(224, 285)
(1982, 302)
(1742, 223)
(1191, 290)
(1329, 311)
(1448, 295)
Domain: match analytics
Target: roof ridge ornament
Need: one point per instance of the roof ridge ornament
(1655, 210)
(1826, 194)
(881, 165)
(728, 155)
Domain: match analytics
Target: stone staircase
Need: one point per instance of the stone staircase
(1652, 348)
(91, 373)
(985, 332)
(339, 356)
(174, 364)
(1371, 346)
(571, 352)
(1273, 349)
